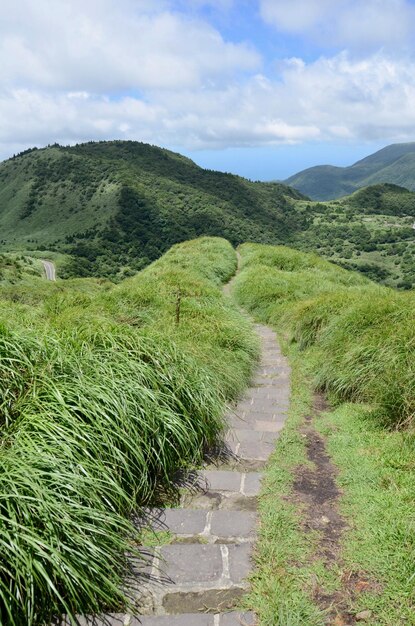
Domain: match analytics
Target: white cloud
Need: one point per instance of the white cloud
(138, 69)
(334, 98)
(353, 24)
(101, 46)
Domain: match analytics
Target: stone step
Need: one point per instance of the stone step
(251, 453)
(188, 619)
(199, 619)
(250, 435)
(203, 526)
(223, 490)
(188, 578)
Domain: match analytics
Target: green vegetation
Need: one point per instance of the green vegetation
(103, 397)
(109, 209)
(370, 231)
(363, 334)
(16, 268)
(394, 164)
(116, 206)
(377, 475)
(354, 340)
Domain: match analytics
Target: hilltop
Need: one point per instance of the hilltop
(393, 164)
(117, 205)
(369, 231)
(108, 209)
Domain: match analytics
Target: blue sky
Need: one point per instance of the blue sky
(262, 88)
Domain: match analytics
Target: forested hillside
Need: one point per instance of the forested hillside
(108, 209)
(394, 164)
(116, 206)
(370, 231)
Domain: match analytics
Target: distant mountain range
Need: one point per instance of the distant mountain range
(394, 164)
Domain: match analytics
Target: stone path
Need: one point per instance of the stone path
(198, 578)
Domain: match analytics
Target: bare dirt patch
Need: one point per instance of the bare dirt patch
(317, 494)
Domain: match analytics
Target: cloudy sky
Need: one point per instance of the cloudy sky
(258, 87)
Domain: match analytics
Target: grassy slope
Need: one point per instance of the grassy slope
(116, 206)
(103, 398)
(394, 164)
(16, 268)
(122, 204)
(355, 340)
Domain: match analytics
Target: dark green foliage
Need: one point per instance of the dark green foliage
(370, 231)
(121, 204)
(385, 199)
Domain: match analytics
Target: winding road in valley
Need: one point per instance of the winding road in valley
(49, 270)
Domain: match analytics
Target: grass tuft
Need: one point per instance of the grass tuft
(103, 398)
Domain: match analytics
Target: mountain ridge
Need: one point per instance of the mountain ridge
(121, 204)
(393, 164)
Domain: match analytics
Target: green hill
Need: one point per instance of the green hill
(394, 164)
(370, 231)
(107, 209)
(117, 205)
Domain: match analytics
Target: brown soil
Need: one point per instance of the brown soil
(317, 493)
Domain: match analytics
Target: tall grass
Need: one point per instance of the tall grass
(103, 398)
(363, 335)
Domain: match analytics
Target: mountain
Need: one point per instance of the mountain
(107, 209)
(114, 206)
(394, 164)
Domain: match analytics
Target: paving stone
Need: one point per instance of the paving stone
(266, 404)
(237, 619)
(273, 415)
(239, 502)
(239, 421)
(213, 600)
(247, 451)
(268, 427)
(184, 521)
(189, 564)
(228, 524)
(244, 405)
(248, 435)
(239, 562)
(187, 619)
(255, 409)
(206, 501)
(223, 481)
(252, 484)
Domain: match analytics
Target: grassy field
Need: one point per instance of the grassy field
(355, 341)
(105, 394)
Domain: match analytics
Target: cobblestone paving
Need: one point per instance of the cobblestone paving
(199, 577)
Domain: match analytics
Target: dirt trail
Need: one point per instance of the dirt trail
(317, 495)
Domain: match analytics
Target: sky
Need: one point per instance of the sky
(261, 88)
